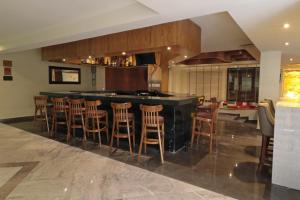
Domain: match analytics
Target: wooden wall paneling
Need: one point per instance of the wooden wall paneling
(99, 45)
(189, 36)
(139, 39)
(83, 49)
(117, 42)
(164, 35)
(70, 50)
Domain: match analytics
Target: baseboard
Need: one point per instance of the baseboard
(16, 119)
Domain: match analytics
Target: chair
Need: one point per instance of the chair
(76, 113)
(201, 118)
(59, 114)
(266, 121)
(96, 121)
(123, 119)
(271, 106)
(41, 112)
(152, 123)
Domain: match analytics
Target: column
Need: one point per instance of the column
(269, 80)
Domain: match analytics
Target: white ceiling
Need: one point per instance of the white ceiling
(36, 23)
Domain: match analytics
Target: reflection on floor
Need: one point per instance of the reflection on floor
(229, 170)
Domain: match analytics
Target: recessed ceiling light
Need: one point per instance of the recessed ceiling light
(291, 59)
(64, 60)
(185, 56)
(286, 25)
(169, 48)
(123, 53)
(286, 43)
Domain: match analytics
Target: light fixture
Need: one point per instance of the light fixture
(90, 57)
(286, 43)
(291, 59)
(185, 56)
(286, 25)
(64, 60)
(169, 48)
(123, 53)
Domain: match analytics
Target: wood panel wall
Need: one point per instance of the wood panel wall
(183, 33)
(126, 79)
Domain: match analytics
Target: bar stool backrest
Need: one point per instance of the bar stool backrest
(59, 105)
(91, 108)
(201, 100)
(150, 115)
(266, 122)
(75, 106)
(120, 111)
(41, 102)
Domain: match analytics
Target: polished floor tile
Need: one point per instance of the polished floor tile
(229, 170)
(53, 170)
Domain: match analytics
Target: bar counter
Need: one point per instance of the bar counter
(177, 112)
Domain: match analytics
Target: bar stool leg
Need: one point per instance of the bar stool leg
(210, 137)
(193, 131)
(129, 138)
(163, 137)
(83, 128)
(106, 125)
(141, 143)
(112, 134)
(93, 125)
(160, 145)
(118, 131)
(133, 132)
(145, 139)
(99, 134)
(47, 122)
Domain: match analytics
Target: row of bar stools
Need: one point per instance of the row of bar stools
(152, 123)
(40, 113)
(123, 119)
(96, 121)
(59, 114)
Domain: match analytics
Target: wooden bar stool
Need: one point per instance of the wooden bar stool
(152, 123)
(41, 113)
(121, 118)
(209, 118)
(76, 113)
(59, 114)
(96, 121)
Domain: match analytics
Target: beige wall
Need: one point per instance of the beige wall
(207, 81)
(30, 76)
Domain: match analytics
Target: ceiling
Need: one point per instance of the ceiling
(225, 24)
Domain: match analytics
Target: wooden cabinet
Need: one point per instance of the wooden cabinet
(126, 79)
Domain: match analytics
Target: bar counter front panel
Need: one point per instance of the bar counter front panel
(176, 112)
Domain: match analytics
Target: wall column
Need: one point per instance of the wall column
(269, 80)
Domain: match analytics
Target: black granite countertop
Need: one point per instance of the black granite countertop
(162, 98)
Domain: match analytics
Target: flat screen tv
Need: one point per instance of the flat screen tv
(145, 59)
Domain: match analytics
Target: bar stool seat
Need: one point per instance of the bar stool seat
(152, 123)
(123, 119)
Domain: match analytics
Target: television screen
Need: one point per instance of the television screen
(145, 59)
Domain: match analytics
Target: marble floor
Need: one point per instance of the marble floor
(230, 170)
(35, 167)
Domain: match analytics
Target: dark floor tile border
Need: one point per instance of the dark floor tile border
(16, 119)
(13, 182)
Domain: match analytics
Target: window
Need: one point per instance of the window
(243, 84)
